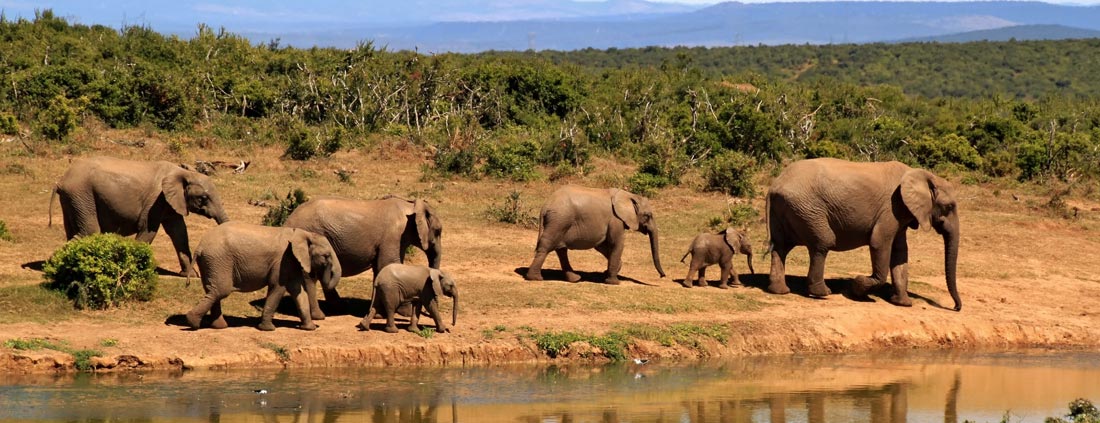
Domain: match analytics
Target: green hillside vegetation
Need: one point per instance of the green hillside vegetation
(1013, 109)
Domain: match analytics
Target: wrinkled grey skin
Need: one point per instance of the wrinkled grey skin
(244, 257)
(369, 234)
(399, 285)
(579, 218)
(836, 205)
(707, 249)
(105, 194)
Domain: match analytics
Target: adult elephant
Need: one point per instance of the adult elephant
(127, 197)
(369, 234)
(836, 205)
(579, 218)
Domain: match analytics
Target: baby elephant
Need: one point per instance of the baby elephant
(398, 285)
(707, 249)
(244, 257)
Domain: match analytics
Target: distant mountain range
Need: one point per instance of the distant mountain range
(479, 25)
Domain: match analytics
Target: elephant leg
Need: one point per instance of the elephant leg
(702, 279)
(686, 283)
(899, 271)
(218, 321)
(563, 258)
(817, 273)
(177, 232)
(274, 295)
(301, 297)
(433, 310)
(314, 307)
(724, 281)
(332, 298)
(777, 279)
(391, 325)
(880, 267)
(208, 302)
(614, 254)
(534, 271)
(414, 317)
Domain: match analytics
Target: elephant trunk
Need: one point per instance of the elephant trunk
(654, 247)
(331, 278)
(748, 259)
(454, 307)
(435, 254)
(221, 216)
(950, 262)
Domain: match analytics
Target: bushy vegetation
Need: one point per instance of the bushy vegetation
(82, 358)
(102, 270)
(277, 214)
(613, 344)
(5, 234)
(1011, 109)
(512, 211)
(1080, 411)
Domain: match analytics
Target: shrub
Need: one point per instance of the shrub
(825, 148)
(300, 143)
(1080, 411)
(514, 160)
(59, 119)
(454, 161)
(731, 172)
(510, 211)
(952, 148)
(647, 184)
(8, 124)
(276, 215)
(5, 234)
(736, 215)
(103, 270)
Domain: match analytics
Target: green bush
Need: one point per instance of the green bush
(932, 152)
(514, 160)
(454, 161)
(5, 234)
(1080, 411)
(731, 172)
(826, 148)
(276, 215)
(58, 120)
(647, 184)
(8, 124)
(510, 211)
(103, 270)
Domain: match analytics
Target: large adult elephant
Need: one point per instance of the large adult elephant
(369, 234)
(127, 197)
(836, 205)
(579, 218)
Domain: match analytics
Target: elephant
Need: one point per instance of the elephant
(369, 234)
(836, 205)
(580, 218)
(105, 194)
(707, 249)
(244, 257)
(398, 285)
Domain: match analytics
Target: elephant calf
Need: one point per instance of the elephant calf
(244, 257)
(707, 249)
(399, 285)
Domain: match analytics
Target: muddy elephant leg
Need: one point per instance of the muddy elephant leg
(414, 317)
(433, 310)
(218, 321)
(777, 279)
(177, 232)
(817, 273)
(880, 268)
(563, 258)
(686, 283)
(274, 295)
(702, 279)
(534, 271)
(301, 297)
(314, 307)
(207, 304)
(899, 271)
(391, 325)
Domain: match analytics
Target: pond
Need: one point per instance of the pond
(892, 387)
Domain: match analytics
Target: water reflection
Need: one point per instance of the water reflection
(891, 388)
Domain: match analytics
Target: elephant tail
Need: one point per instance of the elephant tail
(685, 255)
(768, 222)
(53, 194)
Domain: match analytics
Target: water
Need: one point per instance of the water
(896, 387)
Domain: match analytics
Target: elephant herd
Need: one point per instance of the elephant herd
(823, 204)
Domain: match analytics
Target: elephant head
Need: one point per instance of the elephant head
(636, 213)
(442, 284)
(187, 191)
(737, 241)
(316, 256)
(931, 200)
(429, 230)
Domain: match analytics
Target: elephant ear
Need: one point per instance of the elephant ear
(437, 287)
(299, 246)
(916, 193)
(174, 187)
(623, 205)
(734, 239)
(424, 215)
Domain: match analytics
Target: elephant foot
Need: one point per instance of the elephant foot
(191, 273)
(612, 280)
(901, 300)
(723, 286)
(533, 276)
(219, 323)
(318, 316)
(363, 325)
(414, 328)
(819, 290)
(310, 326)
(194, 320)
(266, 326)
(779, 289)
(442, 329)
(572, 276)
(862, 285)
(685, 284)
(390, 329)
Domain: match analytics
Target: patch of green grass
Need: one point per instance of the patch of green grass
(685, 334)
(109, 342)
(82, 359)
(5, 234)
(491, 333)
(34, 303)
(279, 350)
(426, 333)
(500, 328)
(613, 344)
